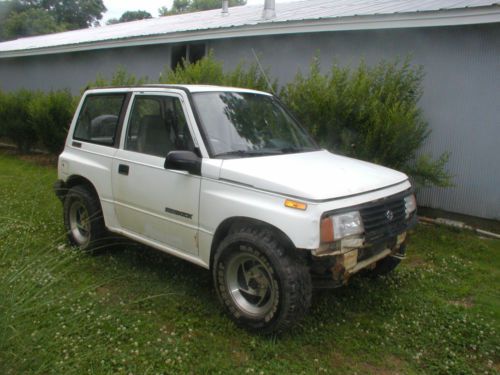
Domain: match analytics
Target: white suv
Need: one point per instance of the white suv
(227, 179)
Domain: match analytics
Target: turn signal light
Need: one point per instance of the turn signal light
(294, 204)
(326, 230)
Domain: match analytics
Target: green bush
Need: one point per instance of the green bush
(370, 113)
(120, 78)
(210, 71)
(15, 120)
(51, 115)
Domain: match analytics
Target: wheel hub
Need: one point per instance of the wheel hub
(250, 284)
(79, 222)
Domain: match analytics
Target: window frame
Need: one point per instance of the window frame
(121, 115)
(146, 93)
(187, 53)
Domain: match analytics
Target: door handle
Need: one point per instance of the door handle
(123, 169)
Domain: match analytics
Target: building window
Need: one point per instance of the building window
(188, 52)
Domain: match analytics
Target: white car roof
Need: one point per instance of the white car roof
(190, 88)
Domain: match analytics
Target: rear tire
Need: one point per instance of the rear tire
(260, 285)
(83, 218)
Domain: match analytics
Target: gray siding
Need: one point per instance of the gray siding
(76, 70)
(460, 102)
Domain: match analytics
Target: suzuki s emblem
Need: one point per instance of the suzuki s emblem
(389, 215)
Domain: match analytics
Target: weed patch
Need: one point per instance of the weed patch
(135, 310)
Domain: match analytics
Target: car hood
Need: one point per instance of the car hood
(317, 175)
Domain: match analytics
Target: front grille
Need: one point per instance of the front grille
(384, 219)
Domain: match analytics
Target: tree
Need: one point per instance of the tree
(6, 8)
(131, 15)
(20, 18)
(28, 23)
(188, 6)
(74, 14)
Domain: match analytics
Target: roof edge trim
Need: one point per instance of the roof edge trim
(469, 16)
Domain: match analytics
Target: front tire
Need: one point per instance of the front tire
(83, 218)
(260, 285)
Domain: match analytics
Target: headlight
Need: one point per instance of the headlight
(339, 226)
(410, 205)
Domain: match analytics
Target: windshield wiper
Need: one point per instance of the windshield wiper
(293, 150)
(248, 153)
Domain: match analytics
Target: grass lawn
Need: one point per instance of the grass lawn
(135, 310)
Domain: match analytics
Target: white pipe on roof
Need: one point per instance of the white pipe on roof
(269, 9)
(225, 7)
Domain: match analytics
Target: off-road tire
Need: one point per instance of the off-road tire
(83, 219)
(286, 278)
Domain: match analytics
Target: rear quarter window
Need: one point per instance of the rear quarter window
(98, 119)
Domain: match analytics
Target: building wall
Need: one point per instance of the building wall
(460, 101)
(76, 70)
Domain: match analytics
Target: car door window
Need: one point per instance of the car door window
(98, 119)
(157, 126)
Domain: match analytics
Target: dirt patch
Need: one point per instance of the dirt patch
(464, 302)
(102, 290)
(415, 262)
(239, 357)
(38, 158)
(395, 366)
(44, 160)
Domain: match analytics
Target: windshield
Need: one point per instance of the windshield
(245, 124)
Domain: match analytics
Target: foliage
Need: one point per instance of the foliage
(19, 18)
(73, 14)
(188, 6)
(131, 15)
(370, 113)
(208, 70)
(27, 118)
(7, 8)
(136, 310)
(15, 121)
(30, 22)
(119, 78)
(51, 115)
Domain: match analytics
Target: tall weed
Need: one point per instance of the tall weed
(210, 71)
(51, 115)
(15, 121)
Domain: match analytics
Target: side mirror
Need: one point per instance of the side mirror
(183, 161)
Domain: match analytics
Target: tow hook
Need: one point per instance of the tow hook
(398, 256)
(400, 253)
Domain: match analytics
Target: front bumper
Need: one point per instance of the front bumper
(334, 267)
(352, 261)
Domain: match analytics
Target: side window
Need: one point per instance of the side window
(98, 119)
(157, 126)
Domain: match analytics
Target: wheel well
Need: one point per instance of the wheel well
(232, 224)
(79, 180)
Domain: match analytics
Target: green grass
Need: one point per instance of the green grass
(136, 310)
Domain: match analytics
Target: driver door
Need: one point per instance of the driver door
(152, 202)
